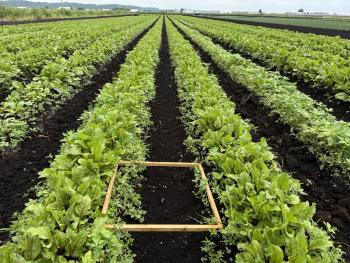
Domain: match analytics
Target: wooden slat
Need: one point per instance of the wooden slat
(164, 228)
(161, 164)
(108, 195)
(212, 203)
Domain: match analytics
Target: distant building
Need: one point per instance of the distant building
(201, 12)
(186, 11)
(198, 12)
(171, 11)
(134, 10)
(65, 8)
(320, 13)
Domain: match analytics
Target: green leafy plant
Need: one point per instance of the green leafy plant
(65, 224)
(59, 80)
(264, 215)
(320, 60)
(24, 55)
(326, 137)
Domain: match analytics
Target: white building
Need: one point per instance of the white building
(187, 11)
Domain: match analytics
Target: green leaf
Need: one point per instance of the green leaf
(275, 254)
(42, 232)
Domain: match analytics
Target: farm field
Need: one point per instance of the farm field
(265, 111)
(12, 14)
(323, 28)
(329, 23)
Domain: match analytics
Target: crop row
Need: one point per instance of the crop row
(25, 28)
(65, 223)
(51, 31)
(47, 36)
(316, 22)
(323, 62)
(332, 45)
(327, 138)
(264, 215)
(15, 42)
(57, 82)
(25, 59)
(28, 28)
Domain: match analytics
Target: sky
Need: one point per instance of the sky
(338, 6)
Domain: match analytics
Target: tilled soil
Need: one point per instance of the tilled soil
(19, 169)
(167, 192)
(330, 194)
(3, 95)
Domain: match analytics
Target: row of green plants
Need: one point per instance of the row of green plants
(65, 223)
(26, 58)
(30, 28)
(303, 21)
(332, 45)
(26, 28)
(31, 35)
(263, 214)
(278, 49)
(8, 13)
(58, 81)
(311, 122)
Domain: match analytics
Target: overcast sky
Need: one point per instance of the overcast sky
(339, 6)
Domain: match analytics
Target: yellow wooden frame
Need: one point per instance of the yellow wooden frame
(164, 227)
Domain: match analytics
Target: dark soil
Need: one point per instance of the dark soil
(3, 95)
(19, 169)
(340, 109)
(313, 30)
(330, 194)
(46, 20)
(167, 193)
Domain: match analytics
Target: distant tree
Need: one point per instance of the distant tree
(260, 11)
(301, 10)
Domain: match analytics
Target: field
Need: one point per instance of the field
(30, 14)
(329, 23)
(265, 111)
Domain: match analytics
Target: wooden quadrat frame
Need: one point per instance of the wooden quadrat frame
(164, 227)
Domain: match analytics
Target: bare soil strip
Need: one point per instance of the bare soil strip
(167, 193)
